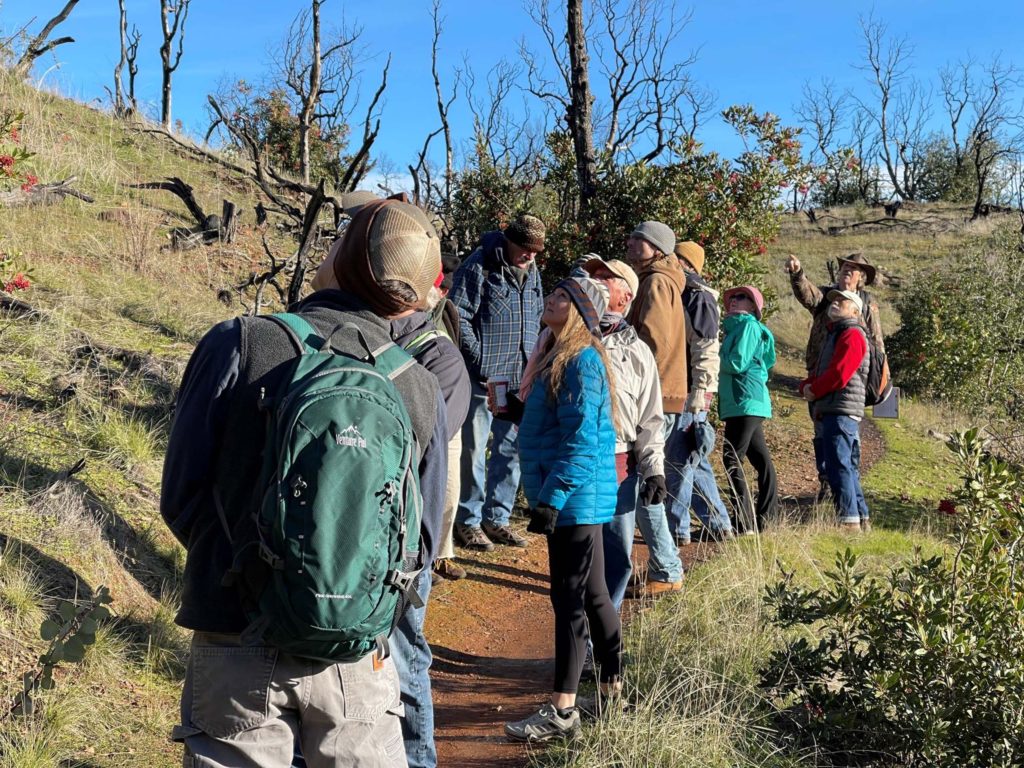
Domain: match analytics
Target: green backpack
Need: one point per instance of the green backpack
(330, 564)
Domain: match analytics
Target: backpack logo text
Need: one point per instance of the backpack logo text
(351, 437)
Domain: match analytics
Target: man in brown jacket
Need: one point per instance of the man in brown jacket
(659, 317)
(855, 273)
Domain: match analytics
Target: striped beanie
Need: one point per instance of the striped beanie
(590, 298)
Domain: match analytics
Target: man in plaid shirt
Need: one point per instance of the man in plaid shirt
(498, 294)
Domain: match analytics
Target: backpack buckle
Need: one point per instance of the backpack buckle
(406, 583)
(267, 556)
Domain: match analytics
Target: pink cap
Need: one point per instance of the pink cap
(751, 292)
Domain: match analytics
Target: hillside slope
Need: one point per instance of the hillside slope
(90, 377)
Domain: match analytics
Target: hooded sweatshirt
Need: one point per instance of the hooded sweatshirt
(659, 319)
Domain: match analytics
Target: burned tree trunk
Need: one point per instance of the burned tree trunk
(310, 233)
(208, 228)
(580, 110)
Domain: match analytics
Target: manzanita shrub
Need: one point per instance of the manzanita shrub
(961, 336)
(730, 206)
(68, 636)
(922, 666)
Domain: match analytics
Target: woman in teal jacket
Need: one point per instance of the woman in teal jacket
(567, 455)
(747, 353)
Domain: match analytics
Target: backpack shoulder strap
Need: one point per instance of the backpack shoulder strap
(303, 335)
(392, 361)
(423, 338)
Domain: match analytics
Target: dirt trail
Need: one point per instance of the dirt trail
(492, 633)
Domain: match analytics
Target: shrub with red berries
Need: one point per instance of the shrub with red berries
(13, 155)
(15, 275)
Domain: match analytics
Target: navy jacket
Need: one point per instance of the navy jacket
(499, 320)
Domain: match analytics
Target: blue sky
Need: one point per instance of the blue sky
(756, 52)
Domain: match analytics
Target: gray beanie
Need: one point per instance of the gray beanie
(657, 234)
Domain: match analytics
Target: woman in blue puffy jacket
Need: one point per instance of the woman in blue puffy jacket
(567, 455)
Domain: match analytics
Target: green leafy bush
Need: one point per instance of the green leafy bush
(729, 206)
(923, 666)
(962, 332)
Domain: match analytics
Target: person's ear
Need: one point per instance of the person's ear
(325, 277)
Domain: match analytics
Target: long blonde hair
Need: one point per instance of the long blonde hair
(562, 349)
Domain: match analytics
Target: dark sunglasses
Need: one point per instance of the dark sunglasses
(738, 296)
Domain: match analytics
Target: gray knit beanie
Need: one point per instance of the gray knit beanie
(657, 234)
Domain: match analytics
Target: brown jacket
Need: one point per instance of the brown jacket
(659, 319)
(812, 297)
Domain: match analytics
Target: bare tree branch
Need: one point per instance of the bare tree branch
(40, 44)
(360, 164)
(318, 74)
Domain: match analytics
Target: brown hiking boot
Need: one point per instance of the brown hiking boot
(447, 569)
(502, 534)
(850, 527)
(659, 588)
(654, 589)
(471, 537)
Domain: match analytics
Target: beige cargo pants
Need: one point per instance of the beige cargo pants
(248, 706)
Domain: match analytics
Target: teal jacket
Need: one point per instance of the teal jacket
(747, 354)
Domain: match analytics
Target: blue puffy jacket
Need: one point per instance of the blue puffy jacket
(567, 448)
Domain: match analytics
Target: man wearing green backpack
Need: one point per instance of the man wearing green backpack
(305, 477)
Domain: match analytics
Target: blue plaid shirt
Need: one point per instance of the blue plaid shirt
(499, 320)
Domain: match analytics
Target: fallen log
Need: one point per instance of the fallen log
(12, 306)
(42, 194)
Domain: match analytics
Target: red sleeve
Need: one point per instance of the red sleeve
(851, 346)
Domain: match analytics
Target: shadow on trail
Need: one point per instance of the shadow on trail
(511, 672)
(58, 580)
(516, 586)
(511, 571)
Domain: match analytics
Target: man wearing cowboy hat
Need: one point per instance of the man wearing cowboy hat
(855, 273)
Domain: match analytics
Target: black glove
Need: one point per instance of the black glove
(514, 411)
(542, 519)
(654, 491)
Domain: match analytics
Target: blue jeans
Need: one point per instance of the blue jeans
(488, 486)
(841, 442)
(689, 440)
(663, 563)
(412, 657)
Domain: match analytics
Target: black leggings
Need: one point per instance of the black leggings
(745, 437)
(579, 594)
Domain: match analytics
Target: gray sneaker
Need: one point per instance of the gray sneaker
(595, 706)
(471, 537)
(502, 534)
(544, 725)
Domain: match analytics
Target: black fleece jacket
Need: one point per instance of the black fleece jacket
(217, 442)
